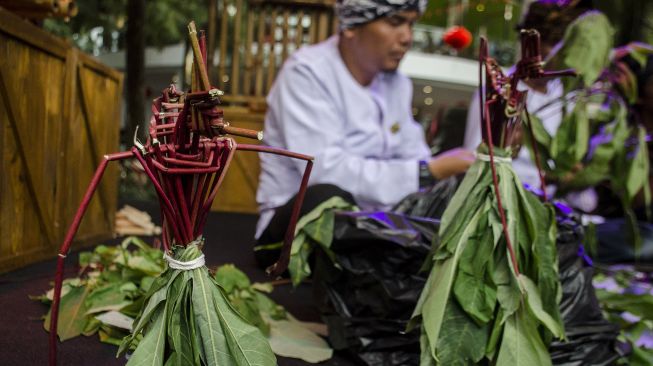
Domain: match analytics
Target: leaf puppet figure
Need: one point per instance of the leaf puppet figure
(493, 291)
(186, 318)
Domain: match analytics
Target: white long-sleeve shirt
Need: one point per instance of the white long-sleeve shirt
(364, 138)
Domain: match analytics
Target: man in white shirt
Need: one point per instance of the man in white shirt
(343, 102)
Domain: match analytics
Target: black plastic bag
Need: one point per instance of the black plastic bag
(591, 339)
(368, 301)
(431, 202)
(615, 244)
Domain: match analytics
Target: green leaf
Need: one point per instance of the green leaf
(495, 334)
(542, 224)
(639, 166)
(182, 336)
(72, 314)
(435, 295)
(314, 228)
(641, 357)
(111, 335)
(586, 47)
(473, 294)
(154, 299)
(231, 278)
(298, 266)
(570, 142)
(426, 358)
(535, 306)
(106, 298)
(289, 338)
(638, 305)
(150, 350)
(508, 293)
(248, 308)
(462, 341)
(145, 264)
(227, 338)
(521, 343)
(269, 308)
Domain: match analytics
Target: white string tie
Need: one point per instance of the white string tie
(497, 159)
(190, 265)
(185, 266)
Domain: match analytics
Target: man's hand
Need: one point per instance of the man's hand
(451, 162)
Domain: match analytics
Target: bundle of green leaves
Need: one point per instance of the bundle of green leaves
(476, 308)
(188, 320)
(314, 230)
(288, 336)
(111, 291)
(626, 297)
(595, 141)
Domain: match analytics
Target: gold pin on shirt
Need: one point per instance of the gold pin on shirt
(395, 127)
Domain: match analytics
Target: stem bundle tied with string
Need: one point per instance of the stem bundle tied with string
(493, 291)
(186, 318)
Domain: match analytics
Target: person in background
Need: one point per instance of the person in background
(343, 102)
(550, 19)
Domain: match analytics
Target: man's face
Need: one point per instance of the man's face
(382, 43)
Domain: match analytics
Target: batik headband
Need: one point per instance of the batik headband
(355, 12)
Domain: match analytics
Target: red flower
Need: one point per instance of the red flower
(457, 37)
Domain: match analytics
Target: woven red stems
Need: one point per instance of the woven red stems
(186, 157)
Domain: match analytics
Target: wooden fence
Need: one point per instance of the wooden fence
(59, 113)
(253, 40)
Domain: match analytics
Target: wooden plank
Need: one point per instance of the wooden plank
(11, 200)
(94, 64)
(323, 26)
(27, 189)
(101, 138)
(32, 35)
(93, 146)
(272, 57)
(210, 39)
(223, 46)
(68, 106)
(40, 254)
(238, 190)
(34, 186)
(235, 56)
(247, 77)
(299, 30)
(260, 42)
(285, 38)
(45, 163)
(312, 28)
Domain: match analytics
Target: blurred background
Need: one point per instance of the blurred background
(444, 77)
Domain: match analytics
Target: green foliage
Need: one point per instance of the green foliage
(595, 142)
(114, 278)
(475, 307)
(189, 317)
(585, 48)
(178, 313)
(315, 229)
(101, 25)
(626, 298)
